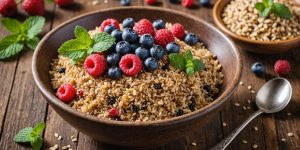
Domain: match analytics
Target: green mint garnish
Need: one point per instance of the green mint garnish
(32, 136)
(186, 62)
(23, 35)
(77, 49)
(266, 7)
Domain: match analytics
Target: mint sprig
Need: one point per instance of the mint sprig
(23, 35)
(186, 62)
(266, 7)
(77, 49)
(31, 135)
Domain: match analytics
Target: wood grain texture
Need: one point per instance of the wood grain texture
(26, 106)
(7, 74)
(21, 104)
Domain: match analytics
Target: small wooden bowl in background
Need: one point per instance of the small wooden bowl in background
(248, 44)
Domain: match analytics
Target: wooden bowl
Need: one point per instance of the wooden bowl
(272, 47)
(137, 134)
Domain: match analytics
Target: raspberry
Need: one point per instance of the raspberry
(130, 64)
(80, 93)
(34, 7)
(113, 112)
(163, 37)
(66, 93)
(144, 26)
(150, 2)
(62, 3)
(8, 7)
(282, 67)
(178, 31)
(187, 3)
(95, 65)
(100, 53)
(109, 22)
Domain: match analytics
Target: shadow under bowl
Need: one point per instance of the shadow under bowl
(138, 134)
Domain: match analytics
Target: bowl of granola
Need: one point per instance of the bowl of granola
(260, 26)
(136, 76)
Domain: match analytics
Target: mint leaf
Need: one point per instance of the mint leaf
(23, 135)
(188, 55)
(74, 49)
(103, 42)
(198, 65)
(267, 3)
(39, 128)
(178, 61)
(190, 71)
(282, 11)
(12, 25)
(36, 142)
(32, 43)
(9, 47)
(32, 136)
(34, 26)
(266, 12)
(260, 7)
(82, 35)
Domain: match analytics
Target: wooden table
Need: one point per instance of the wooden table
(21, 103)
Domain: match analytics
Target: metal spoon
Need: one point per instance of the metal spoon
(272, 97)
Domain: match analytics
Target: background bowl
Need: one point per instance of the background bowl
(137, 134)
(248, 44)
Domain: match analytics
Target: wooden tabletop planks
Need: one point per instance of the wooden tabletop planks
(21, 104)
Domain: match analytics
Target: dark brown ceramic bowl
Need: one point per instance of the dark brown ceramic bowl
(138, 134)
(273, 47)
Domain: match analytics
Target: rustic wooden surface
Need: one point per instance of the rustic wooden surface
(22, 105)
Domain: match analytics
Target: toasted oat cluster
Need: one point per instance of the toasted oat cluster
(164, 93)
(241, 17)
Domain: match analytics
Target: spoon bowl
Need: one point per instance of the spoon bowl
(274, 95)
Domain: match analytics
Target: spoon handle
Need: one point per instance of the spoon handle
(223, 144)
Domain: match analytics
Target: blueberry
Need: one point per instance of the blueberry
(123, 47)
(128, 23)
(61, 70)
(111, 100)
(258, 68)
(114, 73)
(134, 46)
(204, 2)
(129, 35)
(157, 52)
(109, 28)
(157, 86)
(172, 48)
(117, 34)
(159, 24)
(113, 59)
(191, 39)
(135, 108)
(143, 53)
(125, 2)
(146, 40)
(179, 112)
(112, 49)
(151, 64)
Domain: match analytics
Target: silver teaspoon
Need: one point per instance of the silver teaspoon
(272, 97)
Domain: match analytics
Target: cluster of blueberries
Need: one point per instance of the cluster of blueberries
(128, 42)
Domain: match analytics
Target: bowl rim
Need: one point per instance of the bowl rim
(52, 99)
(219, 22)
